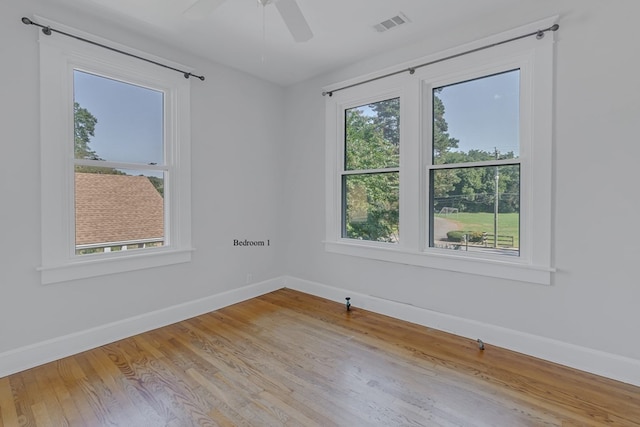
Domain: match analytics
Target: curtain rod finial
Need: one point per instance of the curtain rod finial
(26, 21)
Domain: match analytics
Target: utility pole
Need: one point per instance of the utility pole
(495, 204)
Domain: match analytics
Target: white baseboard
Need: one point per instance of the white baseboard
(47, 351)
(597, 362)
(585, 359)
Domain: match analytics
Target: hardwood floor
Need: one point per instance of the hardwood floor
(287, 358)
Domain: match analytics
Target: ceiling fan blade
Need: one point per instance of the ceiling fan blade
(294, 19)
(202, 8)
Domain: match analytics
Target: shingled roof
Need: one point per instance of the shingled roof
(117, 208)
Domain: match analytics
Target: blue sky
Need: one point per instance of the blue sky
(130, 118)
(484, 113)
(481, 114)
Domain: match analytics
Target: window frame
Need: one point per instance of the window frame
(534, 58)
(59, 56)
(344, 172)
(451, 74)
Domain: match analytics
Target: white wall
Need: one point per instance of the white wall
(593, 300)
(236, 181)
(248, 183)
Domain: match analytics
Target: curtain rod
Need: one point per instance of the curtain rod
(48, 31)
(539, 34)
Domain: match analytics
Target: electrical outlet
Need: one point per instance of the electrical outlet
(249, 278)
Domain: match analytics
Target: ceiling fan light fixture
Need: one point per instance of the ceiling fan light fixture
(294, 20)
(288, 9)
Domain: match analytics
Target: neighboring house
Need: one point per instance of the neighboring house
(117, 212)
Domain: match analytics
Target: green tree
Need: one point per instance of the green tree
(469, 189)
(158, 183)
(442, 181)
(475, 189)
(443, 143)
(372, 142)
(387, 119)
(84, 127)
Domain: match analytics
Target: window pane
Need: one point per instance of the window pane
(471, 206)
(118, 209)
(370, 207)
(372, 136)
(117, 121)
(477, 120)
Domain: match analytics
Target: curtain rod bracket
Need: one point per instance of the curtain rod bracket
(187, 75)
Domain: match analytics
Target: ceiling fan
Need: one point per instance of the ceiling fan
(288, 9)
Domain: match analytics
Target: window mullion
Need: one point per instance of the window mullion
(369, 171)
(120, 165)
(502, 162)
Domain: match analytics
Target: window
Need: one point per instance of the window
(119, 206)
(115, 162)
(370, 176)
(474, 193)
(462, 183)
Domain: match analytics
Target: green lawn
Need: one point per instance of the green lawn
(508, 223)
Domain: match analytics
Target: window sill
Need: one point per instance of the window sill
(501, 269)
(113, 263)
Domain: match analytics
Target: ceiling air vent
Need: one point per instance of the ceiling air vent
(392, 22)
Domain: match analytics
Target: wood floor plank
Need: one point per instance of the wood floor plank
(277, 359)
(8, 414)
(515, 373)
(21, 388)
(58, 391)
(49, 410)
(291, 359)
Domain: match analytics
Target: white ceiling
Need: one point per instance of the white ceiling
(343, 29)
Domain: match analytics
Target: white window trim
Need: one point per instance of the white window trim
(535, 59)
(59, 55)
